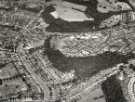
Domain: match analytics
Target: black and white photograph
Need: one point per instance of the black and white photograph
(67, 50)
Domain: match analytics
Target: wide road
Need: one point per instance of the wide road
(30, 68)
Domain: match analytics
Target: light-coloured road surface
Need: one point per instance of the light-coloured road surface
(30, 68)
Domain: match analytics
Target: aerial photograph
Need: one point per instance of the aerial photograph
(67, 50)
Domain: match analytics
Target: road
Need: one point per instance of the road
(24, 58)
(93, 82)
(46, 66)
